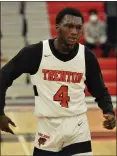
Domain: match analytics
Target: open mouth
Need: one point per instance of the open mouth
(72, 40)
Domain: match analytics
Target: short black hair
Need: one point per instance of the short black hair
(93, 11)
(68, 11)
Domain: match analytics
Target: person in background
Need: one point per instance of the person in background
(60, 68)
(95, 34)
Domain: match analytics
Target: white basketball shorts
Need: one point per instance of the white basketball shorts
(68, 135)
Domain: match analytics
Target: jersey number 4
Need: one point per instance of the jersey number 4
(62, 96)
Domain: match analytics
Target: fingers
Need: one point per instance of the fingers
(108, 116)
(110, 127)
(9, 130)
(110, 120)
(109, 124)
(12, 123)
(4, 124)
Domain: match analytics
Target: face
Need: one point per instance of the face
(70, 30)
(93, 18)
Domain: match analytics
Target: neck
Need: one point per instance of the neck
(60, 46)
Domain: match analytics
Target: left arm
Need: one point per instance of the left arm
(95, 84)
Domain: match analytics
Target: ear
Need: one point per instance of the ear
(57, 27)
(82, 32)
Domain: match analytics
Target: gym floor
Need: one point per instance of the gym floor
(103, 141)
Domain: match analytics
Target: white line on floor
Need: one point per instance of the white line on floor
(21, 138)
(24, 145)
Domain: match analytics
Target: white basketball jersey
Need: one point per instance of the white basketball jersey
(60, 85)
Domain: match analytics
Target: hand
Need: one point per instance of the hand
(4, 124)
(110, 121)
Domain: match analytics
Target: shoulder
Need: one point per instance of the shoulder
(91, 61)
(32, 50)
(35, 46)
(89, 55)
(102, 23)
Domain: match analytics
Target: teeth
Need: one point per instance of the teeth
(72, 38)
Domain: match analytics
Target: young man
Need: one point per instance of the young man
(59, 70)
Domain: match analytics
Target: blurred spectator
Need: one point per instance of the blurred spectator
(95, 34)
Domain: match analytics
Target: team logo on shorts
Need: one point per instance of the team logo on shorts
(42, 138)
(41, 141)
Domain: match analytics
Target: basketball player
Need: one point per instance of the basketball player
(60, 68)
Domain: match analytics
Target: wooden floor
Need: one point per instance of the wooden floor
(103, 141)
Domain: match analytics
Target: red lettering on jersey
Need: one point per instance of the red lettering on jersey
(74, 77)
(56, 78)
(45, 71)
(51, 75)
(79, 77)
(69, 75)
(63, 76)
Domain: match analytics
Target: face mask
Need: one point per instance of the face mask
(93, 18)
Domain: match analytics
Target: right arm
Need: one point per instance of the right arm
(26, 61)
